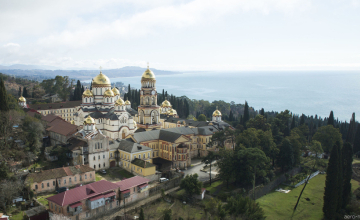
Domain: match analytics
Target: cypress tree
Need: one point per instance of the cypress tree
(352, 130)
(129, 93)
(293, 122)
(231, 117)
(91, 85)
(356, 148)
(331, 119)
(331, 194)
(4, 105)
(19, 93)
(246, 114)
(262, 112)
(302, 119)
(33, 92)
(25, 93)
(82, 91)
(163, 96)
(141, 216)
(340, 178)
(187, 109)
(347, 154)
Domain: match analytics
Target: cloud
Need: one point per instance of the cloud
(140, 24)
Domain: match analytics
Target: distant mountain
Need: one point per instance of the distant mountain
(27, 67)
(37, 73)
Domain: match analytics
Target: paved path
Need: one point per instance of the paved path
(120, 212)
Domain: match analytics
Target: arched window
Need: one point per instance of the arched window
(94, 157)
(107, 99)
(104, 164)
(99, 166)
(86, 100)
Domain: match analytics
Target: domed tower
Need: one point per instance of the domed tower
(165, 106)
(22, 102)
(87, 98)
(116, 93)
(120, 105)
(100, 84)
(89, 124)
(108, 97)
(216, 116)
(127, 104)
(148, 111)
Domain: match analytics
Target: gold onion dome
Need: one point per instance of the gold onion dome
(127, 102)
(217, 113)
(108, 93)
(172, 112)
(101, 79)
(72, 122)
(89, 120)
(165, 103)
(120, 102)
(87, 93)
(148, 75)
(115, 91)
(22, 99)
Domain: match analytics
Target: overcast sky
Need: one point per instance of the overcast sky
(182, 35)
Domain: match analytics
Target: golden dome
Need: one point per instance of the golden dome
(101, 79)
(216, 113)
(72, 122)
(87, 93)
(89, 120)
(148, 75)
(22, 99)
(115, 91)
(165, 103)
(120, 102)
(172, 112)
(108, 93)
(127, 102)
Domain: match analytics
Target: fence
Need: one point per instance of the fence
(165, 185)
(304, 180)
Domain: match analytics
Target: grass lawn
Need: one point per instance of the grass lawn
(42, 199)
(98, 177)
(280, 205)
(155, 211)
(17, 216)
(213, 186)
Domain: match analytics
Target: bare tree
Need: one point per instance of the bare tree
(8, 190)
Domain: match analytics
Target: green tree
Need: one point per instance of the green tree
(33, 131)
(201, 117)
(4, 105)
(286, 155)
(141, 216)
(3, 171)
(257, 160)
(331, 194)
(246, 114)
(331, 119)
(293, 123)
(259, 122)
(316, 148)
(191, 184)
(226, 165)
(239, 206)
(25, 93)
(347, 153)
(356, 148)
(328, 136)
(248, 139)
(167, 214)
(209, 159)
(352, 130)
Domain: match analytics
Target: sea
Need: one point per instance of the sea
(301, 92)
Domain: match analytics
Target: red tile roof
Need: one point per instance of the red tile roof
(83, 192)
(131, 182)
(109, 194)
(76, 205)
(62, 127)
(49, 118)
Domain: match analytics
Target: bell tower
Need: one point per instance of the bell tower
(148, 110)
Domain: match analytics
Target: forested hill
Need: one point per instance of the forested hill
(40, 74)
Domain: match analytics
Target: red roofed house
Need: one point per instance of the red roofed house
(48, 180)
(60, 131)
(133, 189)
(85, 201)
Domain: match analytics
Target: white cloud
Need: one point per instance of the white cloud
(170, 16)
